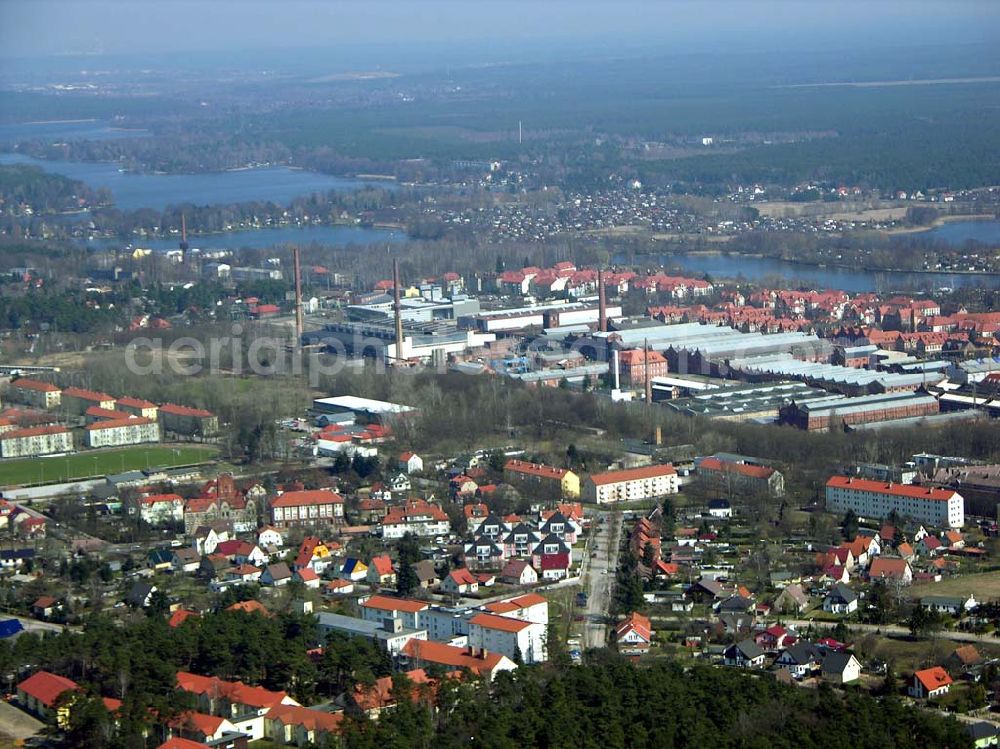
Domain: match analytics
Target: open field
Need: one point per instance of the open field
(100, 463)
(16, 725)
(984, 586)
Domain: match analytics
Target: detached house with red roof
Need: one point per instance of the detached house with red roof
(381, 572)
(40, 694)
(634, 634)
(929, 683)
(460, 582)
(415, 516)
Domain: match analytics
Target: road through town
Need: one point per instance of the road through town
(600, 578)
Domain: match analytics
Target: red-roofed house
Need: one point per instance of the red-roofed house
(459, 582)
(380, 571)
(201, 727)
(885, 568)
(245, 706)
(40, 693)
(302, 726)
(634, 634)
(180, 616)
(929, 683)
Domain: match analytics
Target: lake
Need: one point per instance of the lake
(957, 233)
(132, 191)
(335, 236)
(854, 281)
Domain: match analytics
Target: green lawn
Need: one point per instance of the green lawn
(94, 463)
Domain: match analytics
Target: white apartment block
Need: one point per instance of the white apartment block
(35, 441)
(630, 485)
(509, 636)
(122, 432)
(875, 499)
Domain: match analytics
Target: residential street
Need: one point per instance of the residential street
(600, 578)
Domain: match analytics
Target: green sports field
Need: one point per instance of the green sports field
(94, 463)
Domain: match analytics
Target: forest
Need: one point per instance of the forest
(605, 703)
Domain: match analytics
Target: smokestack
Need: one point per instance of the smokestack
(298, 297)
(616, 361)
(659, 436)
(602, 303)
(397, 310)
(645, 369)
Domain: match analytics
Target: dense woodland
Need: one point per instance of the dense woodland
(606, 703)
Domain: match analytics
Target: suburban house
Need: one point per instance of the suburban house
(460, 581)
(929, 683)
(243, 705)
(40, 693)
(634, 634)
(841, 668)
(954, 605)
(897, 570)
(410, 462)
(801, 660)
(380, 571)
(519, 572)
(745, 654)
(840, 600)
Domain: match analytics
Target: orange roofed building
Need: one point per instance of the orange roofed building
(563, 479)
(307, 507)
(631, 485)
(481, 662)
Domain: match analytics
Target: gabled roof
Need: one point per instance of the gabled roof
(307, 497)
(933, 678)
(635, 622)
(47, 687)
(313, 720)
(632, 474)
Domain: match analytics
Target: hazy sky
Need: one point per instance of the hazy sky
(59, 27)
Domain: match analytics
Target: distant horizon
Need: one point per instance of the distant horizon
(106, 29)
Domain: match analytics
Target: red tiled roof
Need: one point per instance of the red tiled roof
(714, 464)
(180, 616)
(46, 687)
(43, 387)
(135, 402)
(307, 497)
(176, 410)
(897, 490)
(449, 655)
(33, 432)
(536, 469)
(933, 678)
(89, 395)
(632, 474)
(501, 623)
(125, 421)
(637, 622)
(386, 603)
(313, 720)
